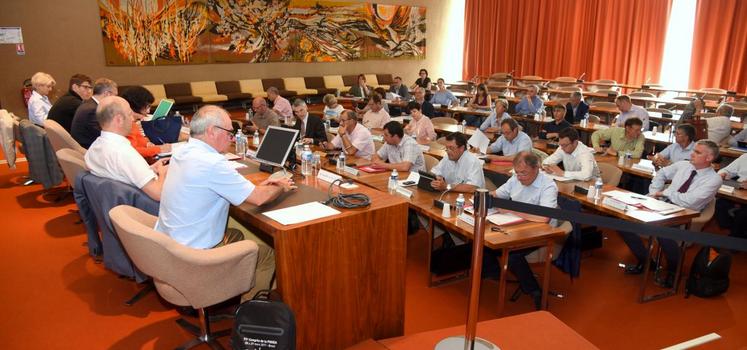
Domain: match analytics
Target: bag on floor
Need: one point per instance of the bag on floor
(263, 324)
(708, 277)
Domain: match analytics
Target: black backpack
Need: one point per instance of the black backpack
(263, 324)
(708, 279)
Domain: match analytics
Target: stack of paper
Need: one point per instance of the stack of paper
(504, 219)
(645, 165)
(301, 213)
(480, 141)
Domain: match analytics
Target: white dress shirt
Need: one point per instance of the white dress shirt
(466, 170)
(634, 112)
(542, 191)
(579, 164)
(701, 191)
(39, 107)
(719, 130)
(737, 167)
(376, 120)
(112, 156)
(676, 153)
(522, 142)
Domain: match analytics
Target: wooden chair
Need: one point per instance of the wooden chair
(444, 120)
(533, 78)
(563, 82)
(713, 94)
(430, 161)
(606, 85)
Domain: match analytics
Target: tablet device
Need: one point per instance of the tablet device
(425, 181)
(163, 109)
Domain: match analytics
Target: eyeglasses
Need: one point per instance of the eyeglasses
(229, 131)
(87, 87)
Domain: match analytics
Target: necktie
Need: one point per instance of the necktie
(686, 185)
(303, 129)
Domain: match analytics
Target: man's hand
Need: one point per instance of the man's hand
(553, 169)
(284, 182)
(341, 131)
(439, 183)
(159, 167)
(598, 149)
(166, 147)
(723, 176)
(611, 151)
(658, 194)
(307, 140)
(378, 163)
(743, 185)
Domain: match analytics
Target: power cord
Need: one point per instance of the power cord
(346, 201)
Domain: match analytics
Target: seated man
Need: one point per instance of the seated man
(719, 126)
(112, 156)
(352, 137)
(496, 117)
(263, 116)
(201, 185)
(629, 110)
(399, 89)
(576, 109)
(530, 104)
(84, 128)
(731, 215)
(80, 89)
(401, 152)
(376, 116)
(280, 104)
(420, 127)
(551, 129)
(510, 143)
(578, 160)
(740, 137)
(311, 127)
(425, 107)
(460, 169)
(693, 185)
(679, 150)
(627, 139)
(527, 185)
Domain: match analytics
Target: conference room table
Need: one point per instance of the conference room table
(338, 297)
(511, 237)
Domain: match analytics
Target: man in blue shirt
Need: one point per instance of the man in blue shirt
(493, 122)
(443, 96)
(679, 150)
(530, 104)
(510, 143)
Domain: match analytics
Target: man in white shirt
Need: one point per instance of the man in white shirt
(280, 105)
(629, 110)
(679, 150)
(352, 137)
(578, 159)
(693, 185)
(201, 185)
(460, 169)
(112, 156)
(376, 116)
(719, 126)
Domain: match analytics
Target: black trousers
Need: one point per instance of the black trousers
(635, 244)
(517, 264)
(731, 216)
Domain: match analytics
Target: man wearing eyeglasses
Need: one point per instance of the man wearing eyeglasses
(460, 169)
(578, 159)
(202, 184)
(352, 137)
(63, 110)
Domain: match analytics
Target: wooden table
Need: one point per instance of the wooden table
(533, 330)
(519, 236)
(320, 270)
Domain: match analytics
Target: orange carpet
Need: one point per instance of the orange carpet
(55, 297)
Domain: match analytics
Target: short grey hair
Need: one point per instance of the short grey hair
(206, 116)
(577, 94)
(41, 79)
(102, 85)
(351, 114)
(712, 147)
(298, 103)
(725, 110)
(528, 158)
(273, 90)
(109, 107)
(503, 102)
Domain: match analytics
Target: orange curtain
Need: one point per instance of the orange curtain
(606, 39)
(719, 57)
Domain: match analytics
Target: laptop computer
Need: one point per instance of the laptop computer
(425, 181)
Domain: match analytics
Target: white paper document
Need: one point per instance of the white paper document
(237, 165)
(644, 165)
(504, 219)
(301, 213)
(411, 180)
(559, 177)
(480, 141)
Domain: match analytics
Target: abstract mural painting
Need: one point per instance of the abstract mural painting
(156, 32)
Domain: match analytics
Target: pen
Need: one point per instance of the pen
(638, 197)
(161, 141)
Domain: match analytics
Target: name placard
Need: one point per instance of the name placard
(350, 170)
(404, 192)
(614, 203)
(328, 176)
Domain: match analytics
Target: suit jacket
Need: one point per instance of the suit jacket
(64, 109)
(314, 129)
(581, 112)
(43, 166)
(85, 128)
(356, 91)
(427, 109)
(403, 92)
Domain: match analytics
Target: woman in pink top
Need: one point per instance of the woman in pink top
(420, 126)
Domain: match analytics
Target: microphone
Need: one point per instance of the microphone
(511, 73)
(581, 78)
(438, 203)
(448, 188)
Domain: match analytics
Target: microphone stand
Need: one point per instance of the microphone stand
(470, 341)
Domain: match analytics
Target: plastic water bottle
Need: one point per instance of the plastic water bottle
(241, 144)
(460, 204)
(255, 138)
(464, 126)
(341, 162)
(393, 181)
(306, 161)
(249, 115)
(598, 189)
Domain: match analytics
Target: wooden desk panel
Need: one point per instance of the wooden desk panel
(346, 272)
